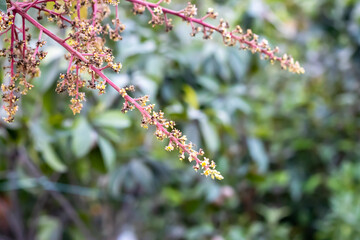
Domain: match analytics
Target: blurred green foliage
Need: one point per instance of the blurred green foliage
(287, 145)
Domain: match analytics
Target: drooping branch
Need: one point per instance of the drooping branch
(246, 40)
(150, 117)
(87, 52)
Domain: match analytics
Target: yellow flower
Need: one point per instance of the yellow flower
(207, 172)
(169, 147)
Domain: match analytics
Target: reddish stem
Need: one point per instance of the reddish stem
(70, 62)
(30, 5)
(12, 51)
(77, 82)
(53, 13)
(24, 37)
(37, 47)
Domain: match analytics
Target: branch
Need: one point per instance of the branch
(156, 119)
(246, 40)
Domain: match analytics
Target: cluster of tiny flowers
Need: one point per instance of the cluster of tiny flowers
(190, 10)
(87, 38)
(246, 40)
(23, 63)
(5, 21)
(165, 129)
(112, 2)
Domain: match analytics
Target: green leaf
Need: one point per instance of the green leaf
(48, 228)
(3, 6)
(191, 97)
(273, 215)
(82, 138)
(115, 119)
(142, 174)
(209, 134)
(303, 144)
(258, 153)
(42, 141)
(51, 158)
(117, 179)
(107, 152)
(312, 183)
(172, 196)
(110, 134)
(236, 233)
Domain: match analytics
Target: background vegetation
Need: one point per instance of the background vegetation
(287, 145)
